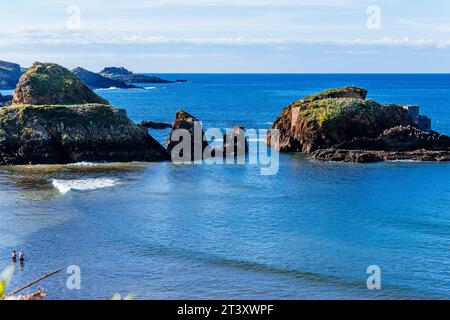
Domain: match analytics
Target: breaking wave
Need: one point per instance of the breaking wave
(65, 186)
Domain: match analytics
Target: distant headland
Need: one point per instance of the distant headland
(109, 77)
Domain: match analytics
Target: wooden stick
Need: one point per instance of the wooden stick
(33, 282)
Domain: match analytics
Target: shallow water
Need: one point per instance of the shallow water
(164, 231)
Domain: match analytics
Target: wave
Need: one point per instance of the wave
(65, 186)
(103, 89)
(83, 164)
(155, 88)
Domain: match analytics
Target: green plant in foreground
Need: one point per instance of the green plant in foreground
(4, 280)
(118, 296)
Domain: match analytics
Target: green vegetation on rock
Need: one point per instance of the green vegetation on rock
(49, 83)
(345, 92)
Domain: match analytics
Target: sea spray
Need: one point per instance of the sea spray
(65, 186)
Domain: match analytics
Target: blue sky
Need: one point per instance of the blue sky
(230, 35)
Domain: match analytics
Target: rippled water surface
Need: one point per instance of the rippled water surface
(163, 231)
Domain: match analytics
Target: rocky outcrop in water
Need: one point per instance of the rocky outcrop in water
(9, 75)
(197, 141)
(124, 75)
(96, 81)
(155, 125)
(49, 83)
(54, 119)
(235, 143)
(340, 125)
(65, 134)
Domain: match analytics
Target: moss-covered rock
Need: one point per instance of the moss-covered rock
(342, 119)
(48, 134)
(49, 83)
(345, 92)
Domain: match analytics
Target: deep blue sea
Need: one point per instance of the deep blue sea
(165, 231)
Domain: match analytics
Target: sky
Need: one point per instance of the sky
(238, 36)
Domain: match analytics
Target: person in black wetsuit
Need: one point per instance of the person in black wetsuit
(21, 256)
(14, 256)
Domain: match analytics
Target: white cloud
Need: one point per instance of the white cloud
(47, 37)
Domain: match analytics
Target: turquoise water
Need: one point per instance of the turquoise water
(162, 231)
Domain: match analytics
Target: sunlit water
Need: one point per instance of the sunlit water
(162, 231)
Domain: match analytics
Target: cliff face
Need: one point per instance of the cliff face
(9, 75)
(341, 119)
(63, 134)
(48, 83)
(96, 81)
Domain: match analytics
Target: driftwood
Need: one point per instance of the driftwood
(32, 283)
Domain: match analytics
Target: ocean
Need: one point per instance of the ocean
(165, 231)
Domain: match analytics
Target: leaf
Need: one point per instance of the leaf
(4, 280)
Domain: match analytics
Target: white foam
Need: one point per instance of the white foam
(65, 186)
(83, 164)
(110, 88)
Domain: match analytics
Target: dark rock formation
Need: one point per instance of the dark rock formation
(9, 75)
(96, 81)
(48, 83)
(64, 134)
(368, 156)
(340, 125)
(235, 143)
(124, 75)
(184, 120)
(155, 125)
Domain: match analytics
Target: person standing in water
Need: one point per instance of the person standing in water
(14, 256)
(21, 256)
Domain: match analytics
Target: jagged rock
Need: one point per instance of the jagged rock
(155, 125)
(96, 81)
(9, 75)
(307, 126)
(64, 134)
(329, 124)
(124, 75)
(235, 143)
(48, 83)
(184, 120)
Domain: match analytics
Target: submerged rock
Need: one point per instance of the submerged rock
(96, 81)
(340, 125)
(368, 156)
(49, 83)
(155, 125)
(48, 134)
(124, 75)
(197, 141)
(9, 75)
